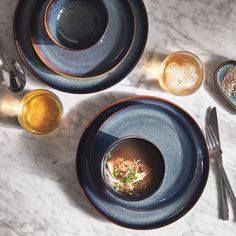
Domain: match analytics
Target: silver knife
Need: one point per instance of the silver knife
(213, 121)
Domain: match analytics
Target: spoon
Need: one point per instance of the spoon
(11, 72)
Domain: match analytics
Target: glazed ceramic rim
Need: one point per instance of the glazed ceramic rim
(114, 200)
(199, 82)
(120, 75)
(194, 199)
(26, 99)
(233, 62)
(54, 69)
(51, 36)
(121, 195)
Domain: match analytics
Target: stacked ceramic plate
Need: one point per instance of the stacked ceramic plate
(80, 46)
(180, 171)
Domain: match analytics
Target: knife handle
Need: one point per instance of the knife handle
(224, 203)
(228, 185)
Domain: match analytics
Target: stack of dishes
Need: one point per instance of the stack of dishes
(178, 162)
(80, 46)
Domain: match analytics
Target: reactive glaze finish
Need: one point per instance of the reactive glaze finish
(151, 212)
(219, 76)
(37, 67)
(39, 187)
(96, 60)
(77, 24)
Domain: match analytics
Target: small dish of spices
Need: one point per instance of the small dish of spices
(225, 80)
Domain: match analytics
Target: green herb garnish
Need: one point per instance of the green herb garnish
(116, 173)
(132, 176)
(117, 186)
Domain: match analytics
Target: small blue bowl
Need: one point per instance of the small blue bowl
(76, 24)
(144, 151)
(219, 76)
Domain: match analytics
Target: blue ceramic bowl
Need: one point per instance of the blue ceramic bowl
(219, 76)
(95, 61)
(76, 24)
(144, 151)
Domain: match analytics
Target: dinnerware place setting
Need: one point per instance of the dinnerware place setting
(44, 39)
(181, 144)
(142, 162)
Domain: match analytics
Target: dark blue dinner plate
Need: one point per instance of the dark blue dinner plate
(179, 139)
(22, 32)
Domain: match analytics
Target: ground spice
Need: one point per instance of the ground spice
(229, 82)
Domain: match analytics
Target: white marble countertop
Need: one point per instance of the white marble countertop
(39, 192)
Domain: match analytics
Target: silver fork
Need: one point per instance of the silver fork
(215, 151)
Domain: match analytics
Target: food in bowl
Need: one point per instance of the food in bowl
(127, 175)
(134, 167)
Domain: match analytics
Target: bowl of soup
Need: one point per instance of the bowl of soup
(133, 168)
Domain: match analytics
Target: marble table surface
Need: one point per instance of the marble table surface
(39, 192)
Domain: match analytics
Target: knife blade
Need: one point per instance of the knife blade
(213, 122)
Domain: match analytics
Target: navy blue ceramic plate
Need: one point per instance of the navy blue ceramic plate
(219, 76)
(179, 139)
(96, 60)
(22, 26)
(173, 136)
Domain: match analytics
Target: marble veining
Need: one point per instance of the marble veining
(39, 192)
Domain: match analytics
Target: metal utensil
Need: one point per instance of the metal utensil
(11, 72)
(215, 149)
(213, 121)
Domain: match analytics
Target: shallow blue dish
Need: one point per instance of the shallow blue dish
(173, 136)
(96, 60)
(181, 192)
(219, 76)
(22, 32)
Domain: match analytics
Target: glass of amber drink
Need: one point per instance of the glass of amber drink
(182, 73)
(40, 112)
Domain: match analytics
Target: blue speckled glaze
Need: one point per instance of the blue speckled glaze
(185, 132)
(22, 25)
(96, 60)
(170, 133)
(219, 76)
(94, 9)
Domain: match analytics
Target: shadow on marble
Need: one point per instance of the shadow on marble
(9, 103)
(54, 155)
(147, 73)
(211, 65)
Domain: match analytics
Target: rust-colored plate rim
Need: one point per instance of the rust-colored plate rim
(194, 200)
